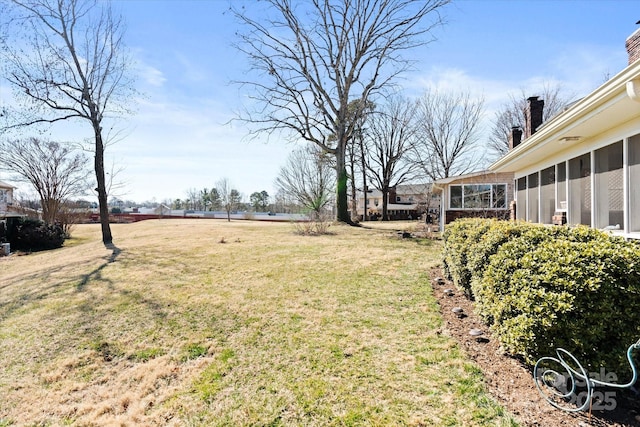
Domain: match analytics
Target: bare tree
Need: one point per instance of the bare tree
(356, 149)
(193, 199)
(66, 60)
(449, 128)
(230, 198)
(392, 135)
(54, 170)
(312, 59)
(513, 114)
(308, 177)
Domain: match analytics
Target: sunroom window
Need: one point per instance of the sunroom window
(547, 194)
(521, 198)
(580, 190)
(478, 196)
(609, 176)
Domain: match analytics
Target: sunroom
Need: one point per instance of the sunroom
(583, 166)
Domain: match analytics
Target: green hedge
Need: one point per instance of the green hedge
(459, 238)
(27, 234)
(546, 287)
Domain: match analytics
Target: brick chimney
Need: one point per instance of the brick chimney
(515, 137)
(633, 46)
(392, 195)
(533, 116)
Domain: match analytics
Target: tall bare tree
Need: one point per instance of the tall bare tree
(55, 171)
(391, 133)
(194, 199)
(308, 177)
(513, 114)
(449, 128)
(312, 59)
(230, 198)
(356, 150)
(66, 60)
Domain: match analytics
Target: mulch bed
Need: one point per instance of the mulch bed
(510, 381)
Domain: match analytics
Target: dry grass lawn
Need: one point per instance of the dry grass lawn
(205, 323)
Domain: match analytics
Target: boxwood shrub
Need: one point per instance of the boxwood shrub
(459, 237)
(542, 287)
(27, 234)
(578, 289)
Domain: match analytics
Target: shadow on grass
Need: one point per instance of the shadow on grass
(97, 273)
(49, 284)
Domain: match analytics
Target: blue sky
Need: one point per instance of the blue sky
(179, 138)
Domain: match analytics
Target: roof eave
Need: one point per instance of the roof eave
(612, 91)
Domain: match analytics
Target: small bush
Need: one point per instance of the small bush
(317, 225)
(558, 287)
(25, 234)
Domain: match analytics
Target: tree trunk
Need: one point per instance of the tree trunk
(107, 239)
(364, 179)
(354, 200)
(385, 203)
(341, 191)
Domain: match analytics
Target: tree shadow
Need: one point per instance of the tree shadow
(97, 272)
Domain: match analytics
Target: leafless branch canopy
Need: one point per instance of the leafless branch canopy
(316, 57)
(312, 59)
(449, 126)
(308, 177)
(54, 170)
(392, 133)
(513, 114)
(65, 59)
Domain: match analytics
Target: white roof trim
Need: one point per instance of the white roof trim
(610, 93)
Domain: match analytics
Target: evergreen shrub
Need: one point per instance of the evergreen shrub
(578, 289)
(26, 234)
(542, 287)
(459, 237)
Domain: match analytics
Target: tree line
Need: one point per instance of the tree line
(324, 72)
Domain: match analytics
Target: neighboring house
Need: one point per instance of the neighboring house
(583, 165)
(481, 194)
(404, 202)
(6, 198)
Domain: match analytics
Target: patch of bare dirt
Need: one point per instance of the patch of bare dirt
(510, 381)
